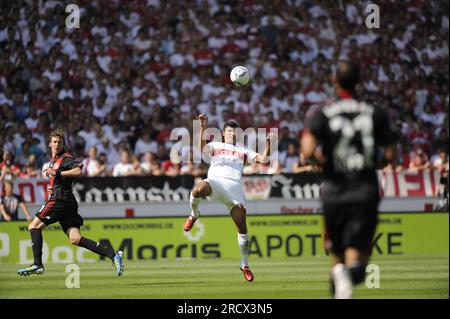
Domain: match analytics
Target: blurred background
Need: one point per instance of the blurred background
(135, 70)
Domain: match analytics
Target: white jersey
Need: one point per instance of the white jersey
(227, 160)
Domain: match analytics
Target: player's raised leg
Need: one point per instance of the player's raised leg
(200, 190)
(35, 228)
(77, 239)
(238, 214)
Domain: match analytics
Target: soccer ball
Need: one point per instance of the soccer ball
(240, 76)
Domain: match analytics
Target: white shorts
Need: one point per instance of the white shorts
(228, 192)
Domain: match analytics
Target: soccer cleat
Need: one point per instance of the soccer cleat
(189, 223)
(118, 263)
(343, 286)
(248, 275)
(33, 269)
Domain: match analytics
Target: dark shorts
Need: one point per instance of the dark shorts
(350, 225)
(66, 213)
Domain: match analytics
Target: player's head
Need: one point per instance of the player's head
(56, 141)
(347, 75)
(229, 131)
(8, 187)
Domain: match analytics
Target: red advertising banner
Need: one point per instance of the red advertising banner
(409, 183)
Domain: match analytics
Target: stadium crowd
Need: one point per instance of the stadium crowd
(136, 70)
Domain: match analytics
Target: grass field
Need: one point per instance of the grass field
(424, 276)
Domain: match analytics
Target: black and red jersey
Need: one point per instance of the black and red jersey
(62, 186)
(349, 132)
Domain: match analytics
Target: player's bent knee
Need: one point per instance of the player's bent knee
(357, 273)
(33, 226)
(201, 189)
(75, 240)
(197, 192)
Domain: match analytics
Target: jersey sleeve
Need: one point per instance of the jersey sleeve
(211, 147)
(207, 152)
(19, 199)
(316, 122)
(384, 130)
(70, 162)
(250, 155)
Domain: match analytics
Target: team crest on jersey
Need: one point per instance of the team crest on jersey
(55, 166)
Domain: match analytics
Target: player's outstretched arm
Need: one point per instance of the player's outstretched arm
(264, 157)
(203, 126)
(73, 173)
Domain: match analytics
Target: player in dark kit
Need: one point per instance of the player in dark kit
(10, 203)
(62, 207)
(343, 136)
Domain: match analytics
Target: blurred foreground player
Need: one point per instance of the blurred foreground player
(62, 207)
(344, 135)
(224, 182)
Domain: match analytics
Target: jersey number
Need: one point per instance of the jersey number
(345, 156)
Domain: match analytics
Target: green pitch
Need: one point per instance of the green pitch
(400, 277)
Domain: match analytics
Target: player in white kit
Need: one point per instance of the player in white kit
(224, 182)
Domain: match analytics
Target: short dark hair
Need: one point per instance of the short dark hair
(347, 74)
(230, 123)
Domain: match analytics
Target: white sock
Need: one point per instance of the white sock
(342, 282)
(195, 202)
(244, 245)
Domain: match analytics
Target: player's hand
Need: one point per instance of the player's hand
(50, 172)
(203, 120)
(270, 137)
